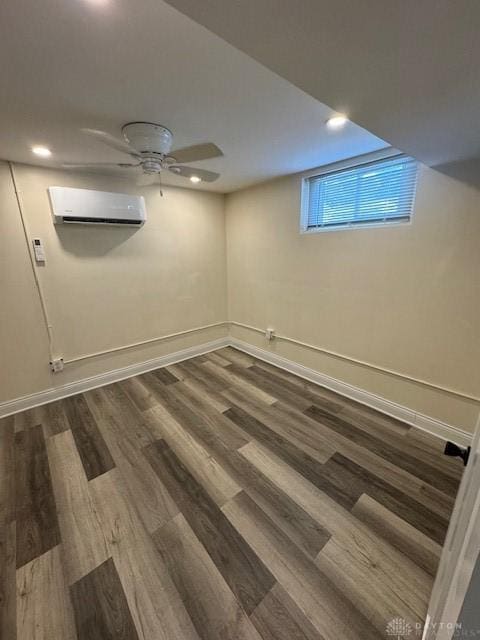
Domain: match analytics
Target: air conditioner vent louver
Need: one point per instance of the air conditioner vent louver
(80, 220)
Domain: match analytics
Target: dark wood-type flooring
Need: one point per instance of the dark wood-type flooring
(217, 499)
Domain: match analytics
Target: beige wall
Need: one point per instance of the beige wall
(404, 298)
(105, 286)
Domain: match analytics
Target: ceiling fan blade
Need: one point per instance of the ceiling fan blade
(189, 172)
(111, 141)
(197, 152)
(87, 165)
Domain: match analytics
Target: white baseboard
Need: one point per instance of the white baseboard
(431, 425)
(425, 423)
(56, 393)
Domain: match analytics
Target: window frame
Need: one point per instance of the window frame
(338, 167)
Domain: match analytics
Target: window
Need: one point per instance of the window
(374, 193)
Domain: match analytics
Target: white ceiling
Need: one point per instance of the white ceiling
(406, 70)
(69, 64)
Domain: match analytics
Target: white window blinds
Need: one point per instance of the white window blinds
(379, 192)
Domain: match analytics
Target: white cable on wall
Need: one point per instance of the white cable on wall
(143, 342)
(362, 363)
(48, 324)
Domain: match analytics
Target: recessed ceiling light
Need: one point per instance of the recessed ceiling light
(195, 179)
(335, 122)
(43, 152)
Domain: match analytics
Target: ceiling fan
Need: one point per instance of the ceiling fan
(150, 145)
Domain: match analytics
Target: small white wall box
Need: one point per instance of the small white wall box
(84, 206)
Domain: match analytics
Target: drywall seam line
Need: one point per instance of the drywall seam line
(43, 305)
(362, 363)
(143, 342)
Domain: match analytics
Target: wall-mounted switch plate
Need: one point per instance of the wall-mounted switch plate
(270, 334)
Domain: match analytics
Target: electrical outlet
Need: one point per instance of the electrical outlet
(56, 365)
(270, 334)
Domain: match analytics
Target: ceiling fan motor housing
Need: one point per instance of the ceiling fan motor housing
(148, 138)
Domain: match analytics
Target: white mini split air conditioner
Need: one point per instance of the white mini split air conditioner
(84, 206)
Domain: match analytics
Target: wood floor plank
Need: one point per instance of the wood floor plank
(220, 498)
(294, 456)
(7, 469)
(302, 530)
(217, 358)
(26, 419)
(35, 512)
(94, 453)
(44, 610)
(277, 617)
(372, 421)
(188, 408)
(100, 606)
(315, 394)
(235, 356)
(179, 373)
(334, 402)
(211, 430)
(217, 483)
(152, 500)
(83, 541)
(350, 477)
(231, 378)
(213, 608)
(325, 606)
(307, 440)
(213, 398)
(431, 443)
(421, 549)
(201, 383)
(424, 445)
(275, 387)
(155, 605)
(7, 529)
(195, 371)
(369, 586)
(330, 401)
(403, 440)
(51, 416)
(165, 376)
(242, 570)
(302, 427)
(287, 515)
(8, 607)
(398, 455)
(344, 493)
(343, 526)
(118, 403)
(138, 393)
(112, 407)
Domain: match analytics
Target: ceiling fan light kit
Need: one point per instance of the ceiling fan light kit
(150, 145)
(147, 137)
